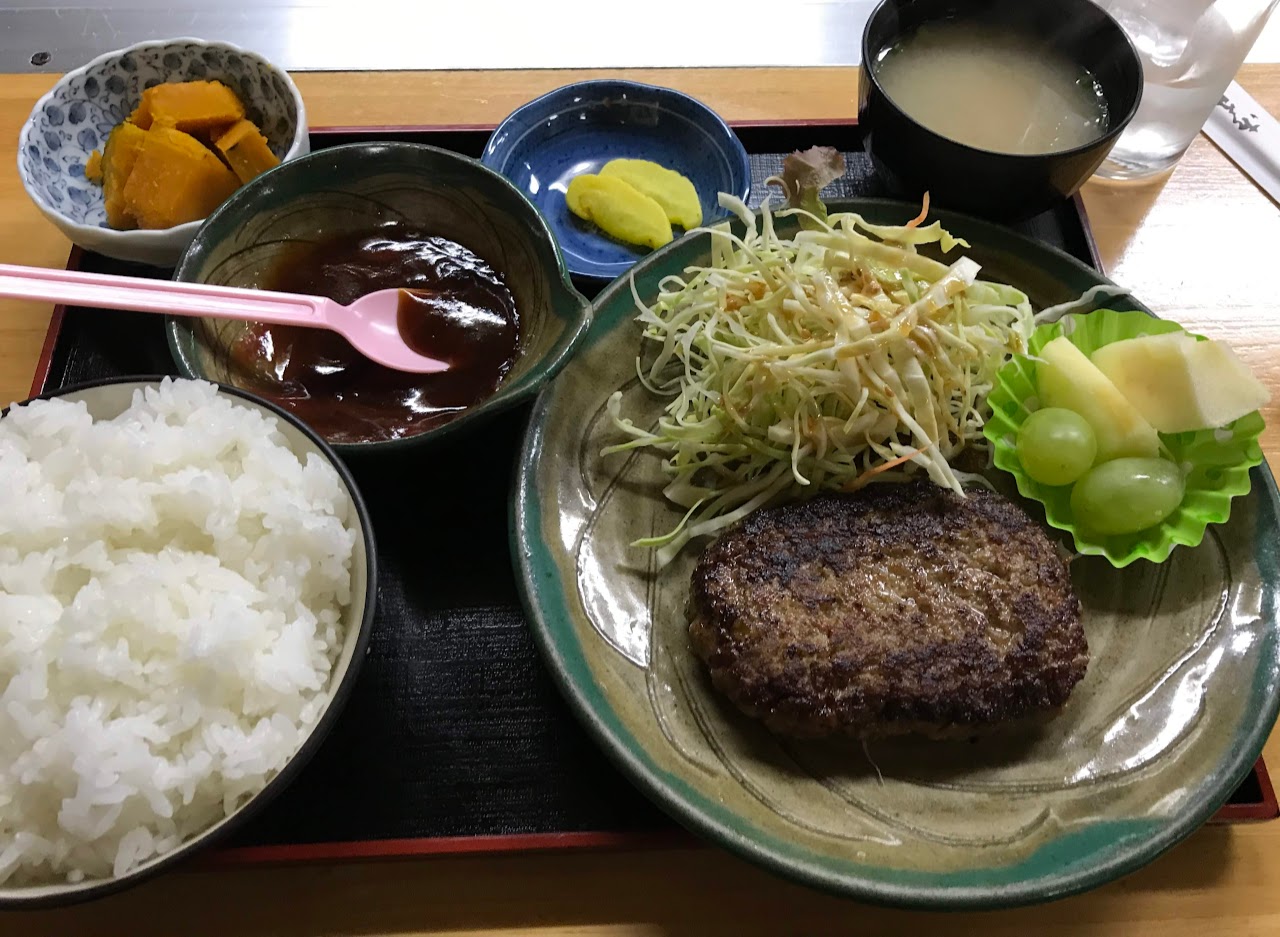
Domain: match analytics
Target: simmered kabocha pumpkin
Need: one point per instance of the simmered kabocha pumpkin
(176, 179)
(246, 151)
(195, 107)
(118, 158)
(183, 150)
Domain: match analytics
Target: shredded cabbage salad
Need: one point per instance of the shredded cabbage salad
(819, 361)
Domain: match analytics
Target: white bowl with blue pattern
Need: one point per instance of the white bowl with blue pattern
(74, 118)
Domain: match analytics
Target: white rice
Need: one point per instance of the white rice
(171, 590)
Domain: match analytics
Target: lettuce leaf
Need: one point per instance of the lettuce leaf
(804, 175)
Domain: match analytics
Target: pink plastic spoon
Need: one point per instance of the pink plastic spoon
(369, 324)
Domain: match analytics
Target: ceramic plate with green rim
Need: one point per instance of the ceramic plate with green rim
(1182, 688)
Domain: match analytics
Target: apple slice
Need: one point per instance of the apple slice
(1180, 384)
(1067, 378)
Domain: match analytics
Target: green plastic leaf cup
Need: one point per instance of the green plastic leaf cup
(1216, 461)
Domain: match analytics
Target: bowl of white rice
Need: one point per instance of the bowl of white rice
(187, 588)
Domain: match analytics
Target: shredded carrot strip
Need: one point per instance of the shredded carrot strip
(856, 483)
(924, 213)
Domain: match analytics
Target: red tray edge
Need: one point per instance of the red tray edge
(456, 128)
(422, 847)
(1266, 809)
(45, 361)
(446, 846)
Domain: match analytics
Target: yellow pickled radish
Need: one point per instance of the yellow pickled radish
(675, 193)
(618, 210)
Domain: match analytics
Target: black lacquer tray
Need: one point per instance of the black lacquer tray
(455, 739)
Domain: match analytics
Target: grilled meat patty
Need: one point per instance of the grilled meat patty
(900, 608)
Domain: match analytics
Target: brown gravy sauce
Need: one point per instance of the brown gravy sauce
(460, 311)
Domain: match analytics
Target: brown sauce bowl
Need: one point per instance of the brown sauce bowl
(359, 187)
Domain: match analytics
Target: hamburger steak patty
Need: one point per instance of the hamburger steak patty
(900, 608)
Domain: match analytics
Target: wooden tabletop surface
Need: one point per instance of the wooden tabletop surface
(1201, 246)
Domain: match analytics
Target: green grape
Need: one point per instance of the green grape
(1056, 446)
(1124, 496)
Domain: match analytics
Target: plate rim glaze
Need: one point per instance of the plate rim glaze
(1050, 875)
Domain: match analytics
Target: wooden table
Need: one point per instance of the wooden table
(1202, 246)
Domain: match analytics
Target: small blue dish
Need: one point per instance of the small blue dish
(580, 127)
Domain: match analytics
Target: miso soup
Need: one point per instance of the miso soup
(994, 89)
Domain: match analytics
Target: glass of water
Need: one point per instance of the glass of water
(1191, 51)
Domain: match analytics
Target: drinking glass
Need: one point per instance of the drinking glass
(1190, 51)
